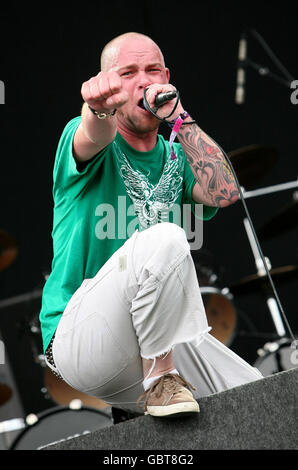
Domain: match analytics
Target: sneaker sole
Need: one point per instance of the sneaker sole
(178, 409)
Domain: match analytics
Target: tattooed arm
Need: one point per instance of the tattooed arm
(215, 184)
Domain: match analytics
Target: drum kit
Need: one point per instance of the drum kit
(250, 164)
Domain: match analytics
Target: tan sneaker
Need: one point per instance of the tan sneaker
(168, 396)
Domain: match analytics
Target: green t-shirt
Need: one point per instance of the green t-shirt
(98, 207)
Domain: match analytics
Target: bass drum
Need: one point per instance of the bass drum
(59, 424)
(277, 357)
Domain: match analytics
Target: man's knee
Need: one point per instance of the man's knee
(160, 246)
(166, 236)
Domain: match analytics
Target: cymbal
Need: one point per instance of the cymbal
(8, 249)
(286, 219)
(5, 393)
(252, 163)
(256, 282)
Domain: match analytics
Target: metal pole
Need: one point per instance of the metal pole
(271, 302)
(270, 189)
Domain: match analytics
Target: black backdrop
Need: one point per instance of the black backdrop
(47, 52)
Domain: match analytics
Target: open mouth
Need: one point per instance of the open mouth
(141, 104)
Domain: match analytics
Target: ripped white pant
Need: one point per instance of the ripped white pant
(142, 303)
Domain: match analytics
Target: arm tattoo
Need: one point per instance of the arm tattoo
(208, 165)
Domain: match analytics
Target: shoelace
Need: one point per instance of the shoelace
(168, 383)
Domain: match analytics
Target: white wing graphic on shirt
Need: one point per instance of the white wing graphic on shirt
(151, 202)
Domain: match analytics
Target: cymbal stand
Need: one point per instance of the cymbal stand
(263, 266)
(270, 189)
(262, 263)
(271, 302)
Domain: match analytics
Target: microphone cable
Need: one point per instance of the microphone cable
(153, 111)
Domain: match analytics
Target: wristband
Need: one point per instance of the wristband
(102, 115)
(175, 125)
(182, 116)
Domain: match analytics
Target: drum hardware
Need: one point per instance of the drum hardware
(10, 425)
(75, 404)
(270, 189)
(263, 266)
(268, 347)
(9, 429)
(225, 291)
(34, 331)
(273, 302)
(277, 356)
(262, 278)
(286, 79)
(39, 359)
(272, 347)
(5, 390)
(31, 419)
(29, 329)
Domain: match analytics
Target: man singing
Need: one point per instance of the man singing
(122, 316)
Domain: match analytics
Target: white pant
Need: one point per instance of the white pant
(143, 302)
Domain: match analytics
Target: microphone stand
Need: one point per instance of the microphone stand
(265, 72)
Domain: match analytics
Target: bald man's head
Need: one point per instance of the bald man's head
(111, 50)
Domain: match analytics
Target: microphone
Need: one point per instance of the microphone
(162, 98)
(240, 80)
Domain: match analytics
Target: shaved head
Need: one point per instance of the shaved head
(111, 50)
(135, 62)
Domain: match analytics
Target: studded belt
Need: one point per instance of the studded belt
(50, 359)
